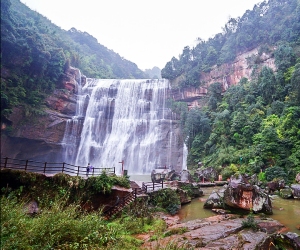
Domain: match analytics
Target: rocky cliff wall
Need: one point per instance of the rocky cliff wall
(228, 74)
(38, 138)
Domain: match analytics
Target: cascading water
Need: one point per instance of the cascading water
(123, 120)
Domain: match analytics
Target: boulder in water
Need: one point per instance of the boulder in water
(286, 193)
(241, 194)
(295, 191)
(215, 200)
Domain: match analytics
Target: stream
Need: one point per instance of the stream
(286, 211)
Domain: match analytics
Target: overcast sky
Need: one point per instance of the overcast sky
(146, 32)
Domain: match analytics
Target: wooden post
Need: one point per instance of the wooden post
(153, 186)
(26, 164)
(45, 167)
(162, 184)
(77, 170)
(63, 168)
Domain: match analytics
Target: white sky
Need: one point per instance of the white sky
(146, 32)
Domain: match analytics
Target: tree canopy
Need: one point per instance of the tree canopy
(35, 52)
(268, 24)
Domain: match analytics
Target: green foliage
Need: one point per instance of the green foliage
(35, 53)
(262, 176)
(268, 24)
(64, 227)
(228, 171)
(166, 199)
(72, 188)
(275, 173)
(250, 222)
(177, 230)
(257, 120)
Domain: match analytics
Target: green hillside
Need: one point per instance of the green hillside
(255, 125)
(35, 52)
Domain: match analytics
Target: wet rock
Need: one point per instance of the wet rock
(286, 193)
(269, 226)
(215, 200)
(172, 175)
(31, 208)
(216, 232)
(275, 185)
(207, 174)
(185, 176)
(196, 191)
(158, 175)
(241, 194)
(295, 191)
(281, 241)
(183, 195)
(219, 211)
(297, 179)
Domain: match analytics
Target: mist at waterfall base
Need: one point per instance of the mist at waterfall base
(124, 120)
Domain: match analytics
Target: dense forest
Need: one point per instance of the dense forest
(35, 53)
(255, 125)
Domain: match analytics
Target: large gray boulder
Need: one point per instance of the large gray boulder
(286, 193)
(159, 175)
(215, 200)
(185, 176)
(296, 191)
(207, 174)
(241, 194)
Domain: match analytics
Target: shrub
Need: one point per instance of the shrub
(166, 199)
(275, 173)
(250, 222)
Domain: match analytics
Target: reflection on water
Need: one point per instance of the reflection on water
(285, 211)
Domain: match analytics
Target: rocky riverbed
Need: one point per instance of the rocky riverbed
(223, 232)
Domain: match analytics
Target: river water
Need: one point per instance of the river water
(286, 211)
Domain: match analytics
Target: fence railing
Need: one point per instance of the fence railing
(52, 167)
(152, 186)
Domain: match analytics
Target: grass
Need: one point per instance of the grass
(68, 227)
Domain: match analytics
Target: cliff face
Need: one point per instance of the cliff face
(227, 74)
(38, 138)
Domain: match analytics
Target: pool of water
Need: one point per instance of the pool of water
(286, 211)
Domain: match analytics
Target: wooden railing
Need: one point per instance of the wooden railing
(152, 186)
(130, 197)
(52, 167)
(121, 203)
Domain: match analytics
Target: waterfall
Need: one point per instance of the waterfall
(123, 120)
